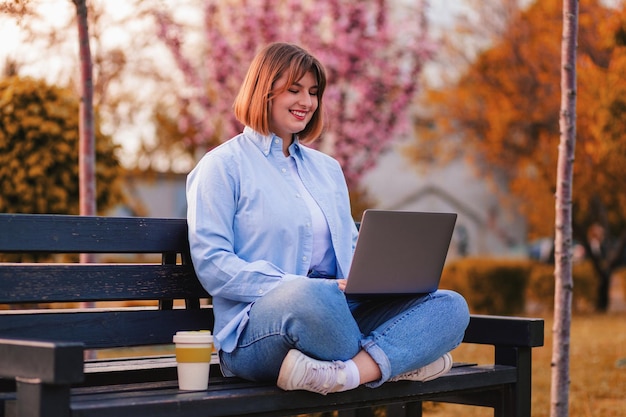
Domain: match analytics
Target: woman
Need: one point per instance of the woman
(272, 238)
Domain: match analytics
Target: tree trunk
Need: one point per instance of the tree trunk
(604, 287)
(86, 147)
(563, 224)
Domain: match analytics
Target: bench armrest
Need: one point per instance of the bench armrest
(44, 362)
(505, 331)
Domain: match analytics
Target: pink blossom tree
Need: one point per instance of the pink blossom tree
(373, 50)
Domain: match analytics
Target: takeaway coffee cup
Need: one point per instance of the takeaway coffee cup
(193, 357)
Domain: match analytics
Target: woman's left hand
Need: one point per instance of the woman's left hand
(342, 283)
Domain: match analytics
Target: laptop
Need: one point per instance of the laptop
(400, 252)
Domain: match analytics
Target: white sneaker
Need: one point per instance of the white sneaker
(431, 371)
(300, 372)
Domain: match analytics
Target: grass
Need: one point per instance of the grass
(597, 370)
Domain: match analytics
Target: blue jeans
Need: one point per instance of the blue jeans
(401, 333)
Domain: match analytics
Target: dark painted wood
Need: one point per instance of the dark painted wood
(59, 363)
(47, 283)
(104, 329)
(76, 234)
(505, 331)
(42, 400)
(243, 398)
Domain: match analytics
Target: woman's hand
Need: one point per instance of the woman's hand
(342, 283)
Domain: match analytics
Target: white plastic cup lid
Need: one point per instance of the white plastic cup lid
(196, 336)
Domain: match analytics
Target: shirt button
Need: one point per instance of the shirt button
(260, 291)
(297, 195)
(283, 170)
(276, 141)
(304, 258)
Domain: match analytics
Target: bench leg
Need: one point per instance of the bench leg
(42, 400)
(359, 412)
(517, 400)
(412, 409)
(503, 402)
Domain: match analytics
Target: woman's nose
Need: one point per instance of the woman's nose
(305, 100)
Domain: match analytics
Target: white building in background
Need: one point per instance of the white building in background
(161, 195)
(483, 227)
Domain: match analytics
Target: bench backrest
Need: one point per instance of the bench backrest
(129, 272)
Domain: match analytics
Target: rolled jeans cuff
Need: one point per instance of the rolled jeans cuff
(380, 358)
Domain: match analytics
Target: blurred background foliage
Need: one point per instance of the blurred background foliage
(514, 287)
(501, 115)
(39, 151)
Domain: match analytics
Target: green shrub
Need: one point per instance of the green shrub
(39, 142)
(490, 286)
(540, 291)
(509, 287)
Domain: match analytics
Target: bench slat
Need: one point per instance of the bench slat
(45, 283)
(85, 234)
(105, 329)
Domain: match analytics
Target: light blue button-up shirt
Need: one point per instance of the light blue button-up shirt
(250, 229)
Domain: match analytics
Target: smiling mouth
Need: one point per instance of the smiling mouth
(299, 114)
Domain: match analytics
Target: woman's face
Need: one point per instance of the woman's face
(292, 110)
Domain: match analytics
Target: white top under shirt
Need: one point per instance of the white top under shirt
(323, 258)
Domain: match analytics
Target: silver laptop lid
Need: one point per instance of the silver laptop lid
(400, 252)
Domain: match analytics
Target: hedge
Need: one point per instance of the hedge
(514, 286)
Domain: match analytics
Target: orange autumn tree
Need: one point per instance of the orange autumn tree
(502, 114)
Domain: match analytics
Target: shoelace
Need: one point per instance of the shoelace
(410, 374)
(324, 378)
(434, 369)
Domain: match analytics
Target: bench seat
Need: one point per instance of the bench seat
(241, 398)
(237, 397)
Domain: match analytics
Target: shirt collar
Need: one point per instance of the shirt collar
(295, 148)
(264, 143)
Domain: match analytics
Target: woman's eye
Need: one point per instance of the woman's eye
(293, 91)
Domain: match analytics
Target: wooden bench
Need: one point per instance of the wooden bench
(44, 370)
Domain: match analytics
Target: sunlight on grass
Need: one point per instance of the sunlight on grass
(597, 371)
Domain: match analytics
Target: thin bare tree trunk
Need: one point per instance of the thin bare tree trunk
(559, 406)
(86, 147)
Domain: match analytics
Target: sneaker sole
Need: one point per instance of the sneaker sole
(447, 359)
(284, 381)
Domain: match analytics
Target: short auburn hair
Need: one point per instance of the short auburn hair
(252, 104)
